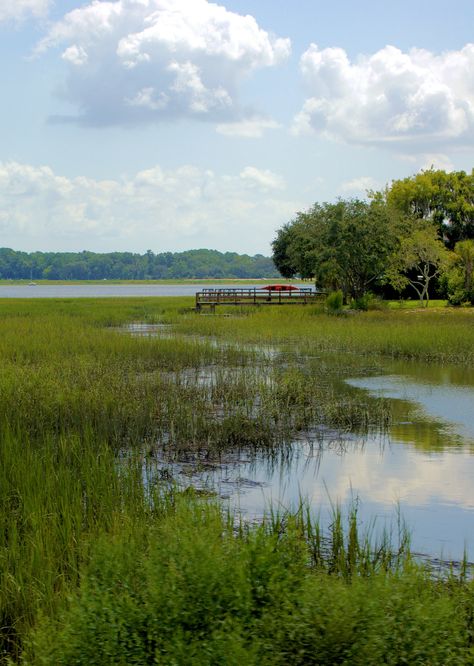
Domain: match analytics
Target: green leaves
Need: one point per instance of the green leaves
(420, 258)
(460, 276)
(342, 246)
(445, 199)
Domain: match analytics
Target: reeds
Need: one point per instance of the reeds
(442, 335)
(83, 533)
(190, 590)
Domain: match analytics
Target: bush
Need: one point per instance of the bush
(334, 301)
(193, 592)
(368, 301)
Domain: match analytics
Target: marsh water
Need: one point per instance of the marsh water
(419, 472)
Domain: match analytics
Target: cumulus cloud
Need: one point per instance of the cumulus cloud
(406, 99)
(437, 161)
(133, 61)
(18, 10)
(158, 208)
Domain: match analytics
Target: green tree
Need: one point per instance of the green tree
(282, 256)
(460, 277)
(129, 266)
(419, 259)
(446, 199)
(344, 245)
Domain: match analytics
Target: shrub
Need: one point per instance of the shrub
(369, 301)
(334, 301)
(193, 592)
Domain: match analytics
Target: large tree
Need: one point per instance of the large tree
(445, 199)
(343, 245)
(281, 251)
(460, 277)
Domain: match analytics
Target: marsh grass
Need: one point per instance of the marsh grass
(90, 552)
(190, 589)
(443, 335)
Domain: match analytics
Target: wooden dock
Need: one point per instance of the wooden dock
(211, 298)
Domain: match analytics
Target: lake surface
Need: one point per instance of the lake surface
(110, 290)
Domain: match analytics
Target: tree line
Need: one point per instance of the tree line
(130, 266)
(416, 235)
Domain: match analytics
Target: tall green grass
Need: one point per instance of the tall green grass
(442, 335)
(188, 590)
(91, 553)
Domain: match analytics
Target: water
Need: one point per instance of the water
(108, 290)
(421, 470)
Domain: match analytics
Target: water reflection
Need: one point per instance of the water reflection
(423, 468)
(433, 493)
(433, 405)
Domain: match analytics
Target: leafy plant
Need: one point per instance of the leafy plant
(334, 302)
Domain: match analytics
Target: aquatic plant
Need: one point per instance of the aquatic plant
(190, 590)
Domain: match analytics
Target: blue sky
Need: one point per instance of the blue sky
(177, 124)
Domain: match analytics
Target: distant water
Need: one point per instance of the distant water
(112, 290)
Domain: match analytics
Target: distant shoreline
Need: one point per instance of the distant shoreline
(164, 281)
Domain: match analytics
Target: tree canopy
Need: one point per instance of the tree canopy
(459, 279)
(131, 266)
(399, 237)
(446, 199)
(418, 259)
(343, 245)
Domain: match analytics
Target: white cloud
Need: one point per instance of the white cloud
(75, 55)
(250, 128)
(413, 481)
(17, 10)
(360, 185)
(132, 61)
(158, 208)
(405, 99)
(262, 178)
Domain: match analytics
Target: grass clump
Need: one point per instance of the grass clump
(442, 335)
(189, 590)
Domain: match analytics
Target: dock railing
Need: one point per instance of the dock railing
(256, 296)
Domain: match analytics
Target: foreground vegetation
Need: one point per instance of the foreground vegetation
(189, 590)
(101, 561)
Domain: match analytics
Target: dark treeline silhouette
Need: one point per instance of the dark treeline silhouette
(130, 266)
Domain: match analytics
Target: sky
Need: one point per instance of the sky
(169, 125)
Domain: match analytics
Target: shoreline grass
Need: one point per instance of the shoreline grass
(443, 335)
(189, 590)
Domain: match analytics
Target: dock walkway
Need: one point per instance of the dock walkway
(213, 297)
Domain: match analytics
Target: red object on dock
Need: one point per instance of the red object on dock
(281, 287)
